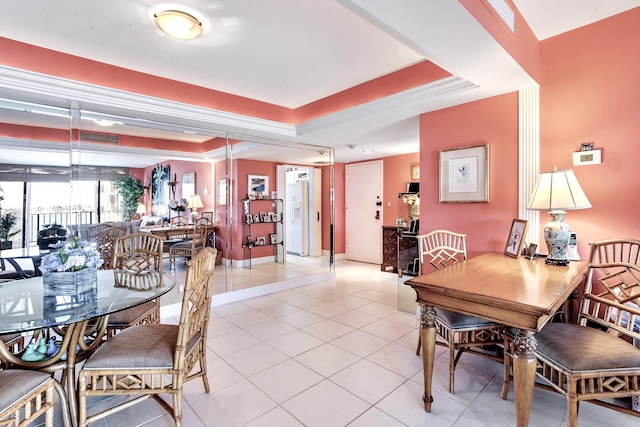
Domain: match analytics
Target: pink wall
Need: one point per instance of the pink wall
(589, 93)
(493, 121)
(397, 173)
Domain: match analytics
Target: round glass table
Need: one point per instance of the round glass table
(78, 320)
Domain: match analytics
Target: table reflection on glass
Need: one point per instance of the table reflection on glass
(78, 320)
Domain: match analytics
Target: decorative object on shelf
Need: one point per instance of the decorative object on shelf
(71, 270)
(194, 203)
(261, 241)
(413, 200)
(558, 191)
(273, 239)
(515, 240)
(464, 174)
(258, 185)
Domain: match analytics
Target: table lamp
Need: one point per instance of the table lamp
(558, 191)
(141, 209)
(194, 204)
(163, 212)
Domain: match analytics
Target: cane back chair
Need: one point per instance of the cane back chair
(595, 360)
(137, 252)
(26, 395)
(154, 359)
(106, 244)
(191, 247)
(459, 332)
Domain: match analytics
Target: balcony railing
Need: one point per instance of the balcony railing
(65, 219)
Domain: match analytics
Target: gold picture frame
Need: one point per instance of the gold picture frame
(464, 175)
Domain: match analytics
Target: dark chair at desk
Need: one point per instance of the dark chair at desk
(459, 332)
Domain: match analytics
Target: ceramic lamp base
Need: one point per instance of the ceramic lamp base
(556, 236)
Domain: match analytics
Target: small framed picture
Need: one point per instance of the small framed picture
(261, 241)
(415, 173)
(249, 218)
(273, 239)
(274, 217)
(530, 250)
(256, 217)
(264, 217)
(516, 238)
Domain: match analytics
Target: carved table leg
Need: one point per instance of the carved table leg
(428, 337)
(524, 373)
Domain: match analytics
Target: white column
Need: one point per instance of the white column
(528, 157)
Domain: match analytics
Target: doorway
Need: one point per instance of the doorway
(300, 188)
(363, 212)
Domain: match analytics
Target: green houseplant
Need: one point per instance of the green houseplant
(131, 190)
(7, 222)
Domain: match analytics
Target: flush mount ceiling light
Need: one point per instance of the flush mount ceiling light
(177, 24)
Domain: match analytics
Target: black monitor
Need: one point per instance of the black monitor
(414, 226)
(413, 187)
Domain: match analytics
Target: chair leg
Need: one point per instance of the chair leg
(506, 379)
(177, 408)
(452, 362)
(419, 343)
(203, 369)
(572, 405)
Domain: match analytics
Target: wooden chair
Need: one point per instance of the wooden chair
(150, 360)
(137, 252)
(179, 221)
(26, 395)
(106, 244)
(459, 332)
(92, 232)
(189, 248)
(595, 360)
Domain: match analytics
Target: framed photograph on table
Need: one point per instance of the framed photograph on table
(464, 174)
(515, 239)
(258, 185)
(261, 241)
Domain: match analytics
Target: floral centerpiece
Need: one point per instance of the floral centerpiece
(180, 205)
(71, 269)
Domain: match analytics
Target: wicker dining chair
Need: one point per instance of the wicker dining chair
(137, 252)
(150, 360)
(106, 244)
(595, 360)
(179, 221)
(26, 395)
(459, 332)
(189, 248)
(92, 232)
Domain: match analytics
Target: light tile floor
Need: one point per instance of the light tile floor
(339, 353)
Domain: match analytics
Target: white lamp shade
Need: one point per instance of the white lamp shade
(558, 190)
(162, 210)
(195, 201)
(141, 209)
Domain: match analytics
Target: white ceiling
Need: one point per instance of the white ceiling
(291, 53)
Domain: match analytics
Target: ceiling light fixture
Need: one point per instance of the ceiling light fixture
(179, 25)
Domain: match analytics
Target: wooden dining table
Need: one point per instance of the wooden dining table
(77, 320)
(521, 293)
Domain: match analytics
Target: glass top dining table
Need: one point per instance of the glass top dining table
(79, 318)
(25, 307)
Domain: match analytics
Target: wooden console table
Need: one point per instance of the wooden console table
(515, 292)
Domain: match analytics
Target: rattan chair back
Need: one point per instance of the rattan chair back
(138, 252)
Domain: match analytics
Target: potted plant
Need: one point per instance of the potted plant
(7, 222)
(131, 190)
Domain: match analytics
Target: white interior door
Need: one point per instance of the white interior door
(363, 218)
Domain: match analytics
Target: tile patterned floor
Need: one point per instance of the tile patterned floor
(339, 353)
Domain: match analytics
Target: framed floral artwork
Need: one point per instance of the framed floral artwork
(464, 174)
